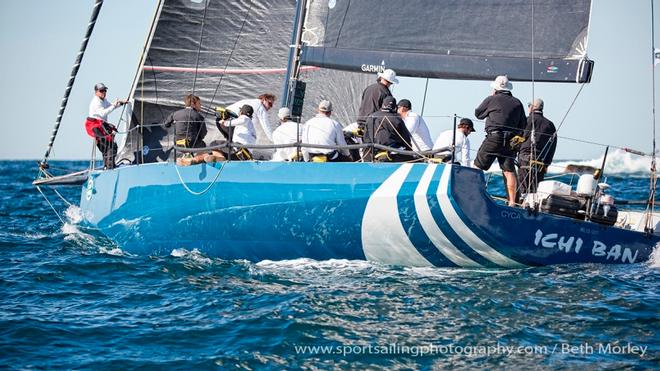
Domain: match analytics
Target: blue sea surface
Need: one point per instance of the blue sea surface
(70, 298)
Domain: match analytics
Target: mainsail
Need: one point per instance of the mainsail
(222, 51)
(452, 39)
(226, 51)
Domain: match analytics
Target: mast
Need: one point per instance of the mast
(651, 202)
(74, 71)
(293, 64)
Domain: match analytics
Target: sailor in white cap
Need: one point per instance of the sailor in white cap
(505, 119)
(288, 132)
(321, 129)
(374, 94)
(99, 107)
(97, 123)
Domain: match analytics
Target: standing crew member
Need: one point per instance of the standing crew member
(260, 107)
(505, 119)
(533, 168)
(98, 125)
(374, 94)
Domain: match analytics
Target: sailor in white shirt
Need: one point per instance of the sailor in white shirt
(261, 106)
(321, 129)
(419, 132)
(104, 132)
(99, 107)
(462, 152)
(288, 132)
(244, 132)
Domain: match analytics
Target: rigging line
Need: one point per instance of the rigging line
(194, 193)
(51, 205)
(531, 174)
(343, 20)
(199, 48)
(400, 136)
(231, 54)
(570, 107)
(426, 89)
(62, 197)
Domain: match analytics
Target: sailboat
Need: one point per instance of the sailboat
(410, 214)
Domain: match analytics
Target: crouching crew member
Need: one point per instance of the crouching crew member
(386, 127)
(189, 130)
(323, 130)
(243, 132)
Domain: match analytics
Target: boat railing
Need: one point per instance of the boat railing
(224, 145)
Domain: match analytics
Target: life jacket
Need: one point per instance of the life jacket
(93, 123)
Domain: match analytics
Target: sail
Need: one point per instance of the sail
(222, 51)
(452, 39)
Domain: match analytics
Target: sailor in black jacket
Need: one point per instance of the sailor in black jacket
(530, 173)
(374, 94)
(189, 126)
(505, 119)
(387, 128)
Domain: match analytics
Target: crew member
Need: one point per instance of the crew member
(533, 161)
(386, 127)
(260, 107)
(374, 94)
(97, 123)
(189, 129)
(419, 132)
(462, 143)
(323, 130)
(288, 132)
(505, 120)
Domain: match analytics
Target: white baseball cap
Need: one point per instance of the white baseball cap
(501, 83)
(283, 113)
(389, 75)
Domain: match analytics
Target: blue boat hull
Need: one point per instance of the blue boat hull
(402, 214)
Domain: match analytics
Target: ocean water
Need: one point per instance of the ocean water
(69, 298)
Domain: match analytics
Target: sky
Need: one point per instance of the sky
(39, 41)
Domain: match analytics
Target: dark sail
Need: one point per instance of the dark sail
(452, 39)
(242, 54)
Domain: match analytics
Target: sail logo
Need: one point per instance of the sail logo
(570, 243)
(552, 69)
(373, 68)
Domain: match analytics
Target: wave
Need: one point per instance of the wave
(618, 162)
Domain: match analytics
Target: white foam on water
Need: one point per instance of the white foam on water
(69, 229)
(654, 261)
(74, 214)
(194, 256)
(307, 264)
(112, 251)
(618, 162)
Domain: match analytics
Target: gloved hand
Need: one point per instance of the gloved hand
(516, 141)
(358, 132)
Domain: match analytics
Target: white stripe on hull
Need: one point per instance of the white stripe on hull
(430, 226)
(383, 238)
(476, 243)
